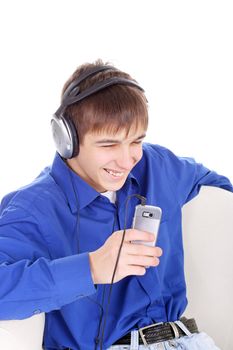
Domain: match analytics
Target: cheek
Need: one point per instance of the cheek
(103, 158)
(91, 161)
(138, 154)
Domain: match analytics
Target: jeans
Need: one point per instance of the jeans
(196, 341)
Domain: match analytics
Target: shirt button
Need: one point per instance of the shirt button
(36, 312)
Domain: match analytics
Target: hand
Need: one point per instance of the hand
(134, 258)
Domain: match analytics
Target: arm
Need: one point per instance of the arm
(186, 177)
(31, 281)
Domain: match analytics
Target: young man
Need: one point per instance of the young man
(61, 236)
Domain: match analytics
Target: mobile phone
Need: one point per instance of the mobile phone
(147, 218)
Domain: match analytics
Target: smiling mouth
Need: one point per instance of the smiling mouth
(114, 173)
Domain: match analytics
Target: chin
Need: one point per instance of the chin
(114, 188)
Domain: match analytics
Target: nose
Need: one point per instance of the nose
(126, 158)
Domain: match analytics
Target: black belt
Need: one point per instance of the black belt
(160, 332)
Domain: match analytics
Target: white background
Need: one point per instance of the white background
(181, 52)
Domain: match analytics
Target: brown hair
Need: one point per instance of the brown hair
(112, 109)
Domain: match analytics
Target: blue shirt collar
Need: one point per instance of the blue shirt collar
(78, 192)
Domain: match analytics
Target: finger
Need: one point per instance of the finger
(133, 270)
(159, 251)
(141, 249)
(138, 235)
(142, 260)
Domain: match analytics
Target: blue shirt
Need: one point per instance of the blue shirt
(48, 227)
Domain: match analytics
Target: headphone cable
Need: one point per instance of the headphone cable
(143, 202)
(78, 248)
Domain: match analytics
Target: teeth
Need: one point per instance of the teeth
(114, 173)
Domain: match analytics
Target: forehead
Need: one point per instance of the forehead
(121, 135)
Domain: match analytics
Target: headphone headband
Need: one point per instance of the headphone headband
(70, 90)
(71, 98)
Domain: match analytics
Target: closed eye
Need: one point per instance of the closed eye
(110, 145)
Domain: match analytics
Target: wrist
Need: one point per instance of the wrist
(92, 266)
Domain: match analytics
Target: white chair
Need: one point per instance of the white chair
(208, 246)
(208, 242)
(24, 334)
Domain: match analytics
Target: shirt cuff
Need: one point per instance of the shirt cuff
(72, 277)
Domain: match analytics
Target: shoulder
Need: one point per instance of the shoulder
(38, 194)
(160, 162)
(157, 155)
(154, 162)
(154, 152)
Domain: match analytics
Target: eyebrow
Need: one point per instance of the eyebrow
(117, 141)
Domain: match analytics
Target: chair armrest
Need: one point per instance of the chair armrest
(24, 334)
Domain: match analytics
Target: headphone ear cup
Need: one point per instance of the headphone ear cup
(74, 137)
(65, 137)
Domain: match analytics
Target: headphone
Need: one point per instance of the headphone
(64, 132)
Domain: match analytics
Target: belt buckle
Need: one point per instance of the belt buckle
(175, 329)
(143, 328)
